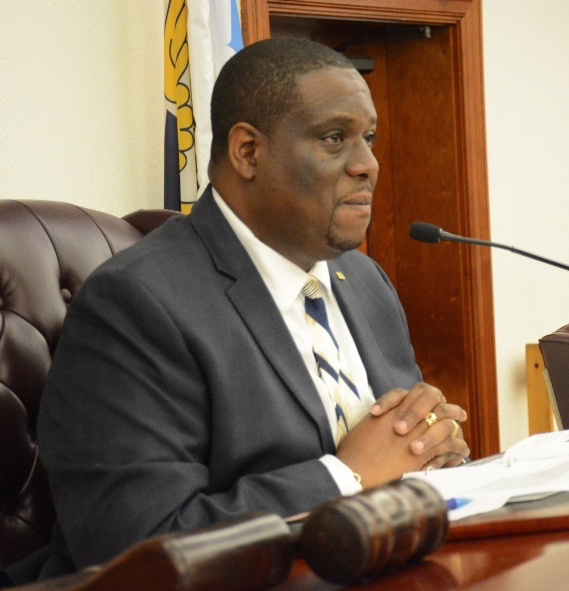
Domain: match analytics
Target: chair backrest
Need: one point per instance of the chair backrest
(555, 350)
(47, 249)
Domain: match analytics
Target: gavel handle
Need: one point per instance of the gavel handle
(295, 524)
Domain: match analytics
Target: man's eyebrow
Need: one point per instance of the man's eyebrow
(340, 120)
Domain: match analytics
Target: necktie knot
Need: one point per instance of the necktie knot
(311, 289)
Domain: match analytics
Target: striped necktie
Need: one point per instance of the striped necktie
(331, 364)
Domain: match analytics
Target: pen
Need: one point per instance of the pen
(457, 502)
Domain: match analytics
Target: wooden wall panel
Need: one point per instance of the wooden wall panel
(426, 188)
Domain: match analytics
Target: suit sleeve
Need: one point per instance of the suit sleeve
(126, 428)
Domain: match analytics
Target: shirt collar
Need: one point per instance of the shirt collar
(283, 279)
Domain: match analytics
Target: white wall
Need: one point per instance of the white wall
(526, 54)
(81, 102)
(81, 120)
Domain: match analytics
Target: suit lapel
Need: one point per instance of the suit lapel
(258, 311)
(376, 366)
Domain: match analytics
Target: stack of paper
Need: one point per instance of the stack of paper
(532, 468)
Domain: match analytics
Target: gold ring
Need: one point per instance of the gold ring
(431, 419)
(455, 429)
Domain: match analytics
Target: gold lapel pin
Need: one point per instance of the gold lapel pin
(340, 275)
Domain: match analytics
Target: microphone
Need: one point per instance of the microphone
(424, 232)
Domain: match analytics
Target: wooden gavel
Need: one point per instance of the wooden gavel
(346, 540)
(353, 539)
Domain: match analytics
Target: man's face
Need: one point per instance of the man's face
(316, 173)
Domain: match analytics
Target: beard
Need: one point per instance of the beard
(340, 242)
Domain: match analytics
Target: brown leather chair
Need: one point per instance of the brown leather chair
(555, 350)
(47, 249)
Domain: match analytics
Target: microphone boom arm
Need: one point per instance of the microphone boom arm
(454, 238)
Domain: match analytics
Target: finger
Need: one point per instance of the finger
(437, 434)
(388, 401)
(441, 412)
(448, 460)
(445, 410)
(420, 401)
(450, 452)
(397, 397)
(455, 461)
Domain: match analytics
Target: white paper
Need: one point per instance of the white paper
(536, 465)
(542, 445)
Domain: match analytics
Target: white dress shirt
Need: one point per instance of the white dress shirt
(285, 280)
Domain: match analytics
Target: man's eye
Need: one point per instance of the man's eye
(334, 138)
(370, 139)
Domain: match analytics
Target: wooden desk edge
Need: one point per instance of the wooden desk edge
(530, 518)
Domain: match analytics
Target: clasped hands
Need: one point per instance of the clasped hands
(396, 437)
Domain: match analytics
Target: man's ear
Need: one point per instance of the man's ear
(243, 145)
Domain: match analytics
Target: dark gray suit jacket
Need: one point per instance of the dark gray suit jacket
(177, 397)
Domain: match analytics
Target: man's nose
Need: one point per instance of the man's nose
(362, 162)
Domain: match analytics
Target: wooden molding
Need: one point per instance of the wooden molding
(254, 20)
(435, 12)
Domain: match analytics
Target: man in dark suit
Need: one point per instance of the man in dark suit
(185, 389)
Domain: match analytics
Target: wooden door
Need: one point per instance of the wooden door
(427, 89)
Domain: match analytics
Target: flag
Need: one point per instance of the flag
(199, 37)
(180, 178)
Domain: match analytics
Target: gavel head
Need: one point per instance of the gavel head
(351, 539)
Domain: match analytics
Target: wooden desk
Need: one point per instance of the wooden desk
(526, 562)
(522, 547)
